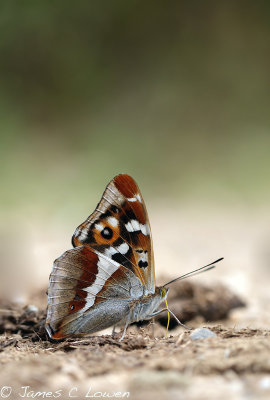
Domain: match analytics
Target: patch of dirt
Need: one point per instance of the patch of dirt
(28, 322)
(234, 364)
(189, 301)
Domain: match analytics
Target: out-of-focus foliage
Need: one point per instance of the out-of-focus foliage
(175, 93)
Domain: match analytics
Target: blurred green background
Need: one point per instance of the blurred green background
(177, 94)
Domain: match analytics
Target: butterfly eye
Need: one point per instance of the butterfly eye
(71, 307)
(107, 233)
(163, 292)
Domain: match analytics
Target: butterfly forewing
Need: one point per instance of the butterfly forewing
(119, 228)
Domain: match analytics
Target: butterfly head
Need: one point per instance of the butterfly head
(164, 292)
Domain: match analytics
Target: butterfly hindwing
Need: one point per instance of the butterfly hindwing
(88, 292)
(119, 228)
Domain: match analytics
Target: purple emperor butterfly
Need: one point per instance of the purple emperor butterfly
(108, 279)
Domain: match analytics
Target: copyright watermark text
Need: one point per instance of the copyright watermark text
(74, 392)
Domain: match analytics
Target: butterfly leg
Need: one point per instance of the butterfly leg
(157, 312)
(125, 328)
(166, 309)
(179, 322)
(124, 332)
(113, 330)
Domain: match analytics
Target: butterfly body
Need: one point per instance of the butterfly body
(108, 278)
(147, 306)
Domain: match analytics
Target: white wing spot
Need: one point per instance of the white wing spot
(123, 248)
(134, 226)
(99, 227)
(110, 251)
(129, 227)
(145, 229)
(112, 221)
(82, 234)
(136, 198)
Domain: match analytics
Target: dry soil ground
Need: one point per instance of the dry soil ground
(146, 364)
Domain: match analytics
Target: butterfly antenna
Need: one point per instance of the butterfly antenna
(205, 268)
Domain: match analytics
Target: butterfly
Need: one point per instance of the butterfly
(108, 278)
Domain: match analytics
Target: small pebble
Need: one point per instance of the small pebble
(31, 308)
(202, 333)
(265, 383)
(227, 353)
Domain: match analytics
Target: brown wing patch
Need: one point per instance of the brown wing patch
(76, 305)
(56, 335)
(137, 209)
(126, 185)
